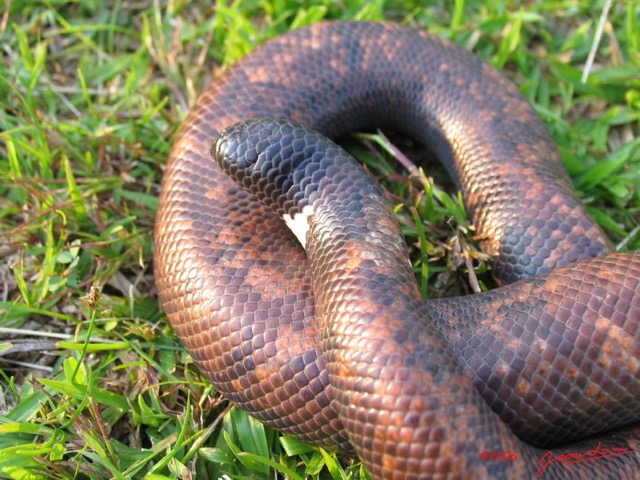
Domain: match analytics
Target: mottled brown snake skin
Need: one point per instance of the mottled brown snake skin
(419, 389)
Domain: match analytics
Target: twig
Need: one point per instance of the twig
(596, 41)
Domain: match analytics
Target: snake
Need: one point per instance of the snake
(281, 267)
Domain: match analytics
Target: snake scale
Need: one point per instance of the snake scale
(340, 350)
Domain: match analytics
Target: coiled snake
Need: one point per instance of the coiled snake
(418, 389)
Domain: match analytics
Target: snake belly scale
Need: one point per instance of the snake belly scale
(550, 359)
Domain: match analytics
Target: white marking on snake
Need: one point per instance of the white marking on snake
(299, 223)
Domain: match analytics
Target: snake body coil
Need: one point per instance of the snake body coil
(417, 389)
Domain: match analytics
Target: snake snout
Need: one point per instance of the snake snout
(282, 163)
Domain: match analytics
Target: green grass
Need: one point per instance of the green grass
(94, 382)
